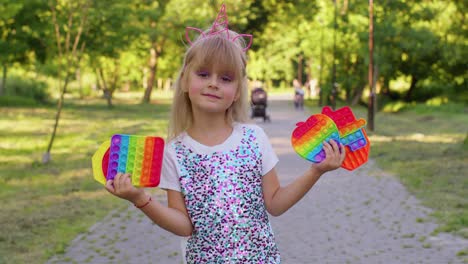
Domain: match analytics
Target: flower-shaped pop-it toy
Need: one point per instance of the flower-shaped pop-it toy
(141, 156)
(340, 125)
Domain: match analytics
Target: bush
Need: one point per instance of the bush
(460, 94)
(11, 100)
(27, 88)
(394, 107)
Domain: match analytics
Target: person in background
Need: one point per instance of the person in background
(298, 95)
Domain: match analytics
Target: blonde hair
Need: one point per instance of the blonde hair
(213, 51)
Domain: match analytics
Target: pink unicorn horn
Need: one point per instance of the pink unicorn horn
(219, 26)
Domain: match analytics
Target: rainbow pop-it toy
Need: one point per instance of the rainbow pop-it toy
(141, 156)
(308, 137)
(340, 125)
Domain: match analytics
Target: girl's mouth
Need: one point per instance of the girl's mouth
(212, 96)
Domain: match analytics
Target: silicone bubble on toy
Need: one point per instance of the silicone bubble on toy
(141, 156)
(340, 125)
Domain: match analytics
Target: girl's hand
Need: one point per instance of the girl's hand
(334, 157)
(122, 187)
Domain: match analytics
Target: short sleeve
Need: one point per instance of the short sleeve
(269, 157)
(169, 171)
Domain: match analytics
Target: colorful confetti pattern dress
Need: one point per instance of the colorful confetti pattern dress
(223, 196)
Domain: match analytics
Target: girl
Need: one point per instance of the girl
(219, 172)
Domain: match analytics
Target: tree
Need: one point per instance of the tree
(282, 41)
(110, 33)
(156, 35)
(371, 108)
(64, 15)
(21, 33)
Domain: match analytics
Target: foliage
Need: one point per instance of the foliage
(21, 31)
(422, 42)
(27, 88)
(17, 101)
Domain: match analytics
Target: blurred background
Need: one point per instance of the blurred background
(100, 47)
(75, 72)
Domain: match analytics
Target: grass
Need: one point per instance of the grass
(424, 147)
(45, 206)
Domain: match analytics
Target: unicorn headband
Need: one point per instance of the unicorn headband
(219, 26)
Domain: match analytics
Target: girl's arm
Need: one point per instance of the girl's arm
(174, 217)
(279, 199)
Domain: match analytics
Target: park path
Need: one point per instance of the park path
(364, 216)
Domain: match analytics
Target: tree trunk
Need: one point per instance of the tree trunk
(69, 53)
(3, 84)
(386, 87)
(300, 69)
(348, 67)
(309, 78)
(80, 82)
(46, 156)
(409, 94)
(115, 79)
(107, 92)
(357, 95)
(320, 102)
(371, 101)
(153, 67)
(113, 85)
(98, 82)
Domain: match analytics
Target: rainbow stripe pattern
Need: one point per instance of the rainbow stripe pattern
(308, 137)
(352, 135)
(141, 156)
(340, 125)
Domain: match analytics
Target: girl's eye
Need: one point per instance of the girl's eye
(227, 79)
(202, 74)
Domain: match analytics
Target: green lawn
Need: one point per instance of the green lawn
(45, 206)
(426, 150)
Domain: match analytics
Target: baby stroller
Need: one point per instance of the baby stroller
(258, 102)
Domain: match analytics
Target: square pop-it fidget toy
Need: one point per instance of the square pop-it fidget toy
(340, 125)
(141, 156)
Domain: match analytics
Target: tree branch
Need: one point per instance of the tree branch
(84, 18)
(70, 24)
(57, 30)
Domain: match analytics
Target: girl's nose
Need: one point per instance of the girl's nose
(213, 81)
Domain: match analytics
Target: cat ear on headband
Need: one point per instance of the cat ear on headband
(220, 26)
(245, 37)
(187, 34)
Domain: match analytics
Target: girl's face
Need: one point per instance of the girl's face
(212, 91)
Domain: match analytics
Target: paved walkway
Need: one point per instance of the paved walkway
(364, 216)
